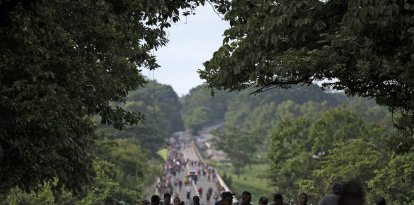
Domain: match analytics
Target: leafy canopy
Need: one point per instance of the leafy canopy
(240, 147)
(308, 154)
(162, 109)
(62, 62)
(364, 47)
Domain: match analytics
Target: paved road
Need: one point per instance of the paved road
(202, 181)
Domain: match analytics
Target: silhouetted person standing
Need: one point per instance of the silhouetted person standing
(167, 199)
(303, 199)
(246, 199)
(227, 198)
(188, 192)
(155, 200)
(200, 191)
(263, 200)
(195, 178)
(180, 184)
(352, 194)
(278, 199)
(380, 201)
(208, 197)
(210, 190)
(196, 200)
(177, 201)
(332, 199)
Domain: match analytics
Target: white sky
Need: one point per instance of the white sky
(191, 42)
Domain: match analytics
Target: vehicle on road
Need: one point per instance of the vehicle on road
(192, 173)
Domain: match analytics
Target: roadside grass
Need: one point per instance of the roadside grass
(154, 170)
(163, 153)
(254, 179)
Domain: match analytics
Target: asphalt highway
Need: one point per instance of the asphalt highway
(202, 181)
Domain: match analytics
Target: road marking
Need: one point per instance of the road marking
(188, 169)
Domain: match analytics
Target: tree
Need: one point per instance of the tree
(237, 114)
(122, 169)
(198, 117)
(163, 97)
(200, 96)
(240, 147)
(162, 109)
(290, 155)
(300, 146)
(260, 121)
(107, 190)
(43, 196)
(355, 159)
(236, 107)
(334, 126)
(363, 47)
(62, 62)
(394, 181)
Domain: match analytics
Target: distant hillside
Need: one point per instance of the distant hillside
(162, 110)
(201, 108)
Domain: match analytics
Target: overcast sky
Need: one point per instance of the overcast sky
(191, 42)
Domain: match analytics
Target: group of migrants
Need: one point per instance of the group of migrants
(173, 166)
(171, 182)
(350, 193)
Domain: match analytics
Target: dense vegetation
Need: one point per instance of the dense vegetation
(309, 153)
(62, 62)
(309, 139)
(125, 161)
(201, 109)
(363, 47)
(67, 64)
(122, 169)
(162, 109)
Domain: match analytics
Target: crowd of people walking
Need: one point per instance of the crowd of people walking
(171, 182)
(170, 185)
(181, 175)
(350, 193)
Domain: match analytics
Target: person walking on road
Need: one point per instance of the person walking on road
(196, 200)
(227, 198)
(170, 188)
(167, 199)
(195, 178)
(200, 191)
(210, 190)
(180, 184)
(186, 180)
(332, 199)
(177, 201)
(246, 199)
(155, 200)
(303, 199)
(380, 201)
(263, 200)
(223, 196)
(278, 199)
(208, 196)
(188, 194)
(352, 194)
